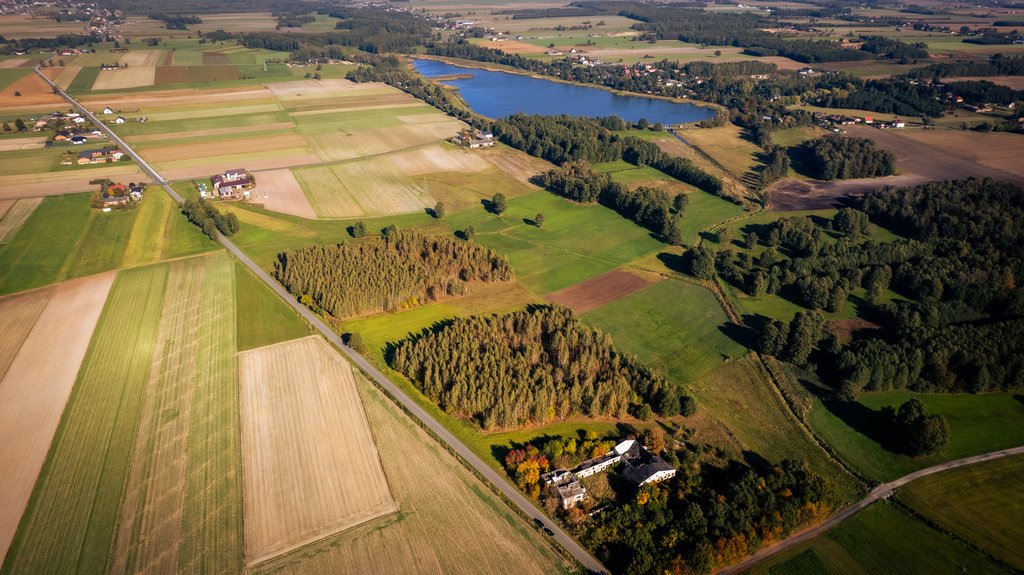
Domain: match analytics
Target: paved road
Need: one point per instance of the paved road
(446, 437)
(882, 491)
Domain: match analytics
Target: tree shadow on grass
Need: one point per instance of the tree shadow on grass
(862, 419)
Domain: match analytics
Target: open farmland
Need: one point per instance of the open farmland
(38, 379)
(33, 90)
(15, 216)
(144, 474)
(279, 191)
(21, 26)
(981, 503)
(124, 78)
(598, 291)
(43, 183)
(311, 468)
(367, 187)
(480, 533)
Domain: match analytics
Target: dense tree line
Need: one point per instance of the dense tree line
(370, 30)
(776, 166)
(209, 219)
(839, 157)
(887, 96)
(997, 65)
(983, 91)
(705, 518)
(390, 70)
(176, 21)
(894, 49)
(561, 139)
(530, 366)
(402, 268)
(649, 207)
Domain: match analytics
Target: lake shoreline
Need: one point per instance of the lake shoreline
(492, 67)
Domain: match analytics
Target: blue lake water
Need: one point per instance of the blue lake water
(499, 94)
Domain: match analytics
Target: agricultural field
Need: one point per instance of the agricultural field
(45, 336)
(263, 317)
(310, 466)
(19, 26)
(144, 473)
(480, 535)
(64, 237)
(727, 146)
(980, 503)
(601, 290)
(13, 216)
(880, 539)
(977, 424)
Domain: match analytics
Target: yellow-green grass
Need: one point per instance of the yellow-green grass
(9, 76)
(36, 255)
(102, 245)
(981, 503)
(462, 190)
(977, 424)
(705, 211)
(69, 524)
(880, 539)
(577, 242)
(84, 80)
(794, 136)
(674, 326)
(164, 349)
(725, 145)
(189, 125)
(625, 173)
(263, 318)
(32, 161)
(238, 158)
(369, 187)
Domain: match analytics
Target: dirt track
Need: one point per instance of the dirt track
(920, 157)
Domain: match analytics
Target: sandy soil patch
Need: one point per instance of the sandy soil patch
(206, 170)
(1015, 82)
(131, 77)
(210, 132)
(13, 62)
(598, 291)
(15, 216)
(37, 386)
(11, 144)
(57, 183)
(67, 75)
(192, 151)
(278, 190)
(310, 466)
(33, 90)
(141, 58)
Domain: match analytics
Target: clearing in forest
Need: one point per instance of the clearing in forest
(54, 327)
(310, 464)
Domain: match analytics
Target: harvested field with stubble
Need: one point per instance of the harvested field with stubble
(362, 188)
(240, 146)
(33, 90)
(278, 190)
(141, 58)
(600, 290)
(131, 77)
(345, 144)
(310, 465)
(144, 474)
(67, 75)
(38, 381)
(15, 216)
(450, 523)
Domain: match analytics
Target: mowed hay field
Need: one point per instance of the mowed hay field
(37, 373)
(144, 473)
(449, 523)
(982, 503)
(310, 465)
(366, 187)
(130, 77)
(14, 216)
(278, 190)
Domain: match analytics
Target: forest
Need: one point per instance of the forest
(208, 218)
(957, 269)
(839, 157)
(397, 270)
(530, 366)
(997, 65)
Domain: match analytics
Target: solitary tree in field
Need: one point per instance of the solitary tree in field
(19, 124)
(679, 203)
(358, 230)
(538, 220)
(7, 127)
(17, 93)
(702, 263)
(439, 210)
(469, 232)
(643, 124)
(498, 203)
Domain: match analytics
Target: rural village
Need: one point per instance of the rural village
(447, 287)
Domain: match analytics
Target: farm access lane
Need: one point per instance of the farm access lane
(881, 491)
(588, 561)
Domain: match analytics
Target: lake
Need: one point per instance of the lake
(499, 94)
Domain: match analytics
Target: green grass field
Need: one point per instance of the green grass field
(66, 238)
(9, 76)
(977, 423)
(880, 539)
(577, 242)
(84, 80)
(703, 212)
(160, 368)
(981, 503)
(263, 319)
(682, 329)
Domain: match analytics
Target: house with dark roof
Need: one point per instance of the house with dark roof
(232, 182)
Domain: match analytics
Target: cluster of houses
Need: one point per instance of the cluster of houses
(118, 194)
(639, 466)
(232, 184)
(471, 138)
(833, 121)
(100, 156)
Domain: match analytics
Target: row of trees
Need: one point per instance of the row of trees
(209, 219)
(834, 156)
(651, 208)
(530, 366)
(397, 270)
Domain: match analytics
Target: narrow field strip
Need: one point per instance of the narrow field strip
(311, 467)
(148, 233)
(16, 216)
(35, 390)
(18, 313)
(69, 524)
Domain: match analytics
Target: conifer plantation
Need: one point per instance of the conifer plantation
(384, 274)
(530, 366)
